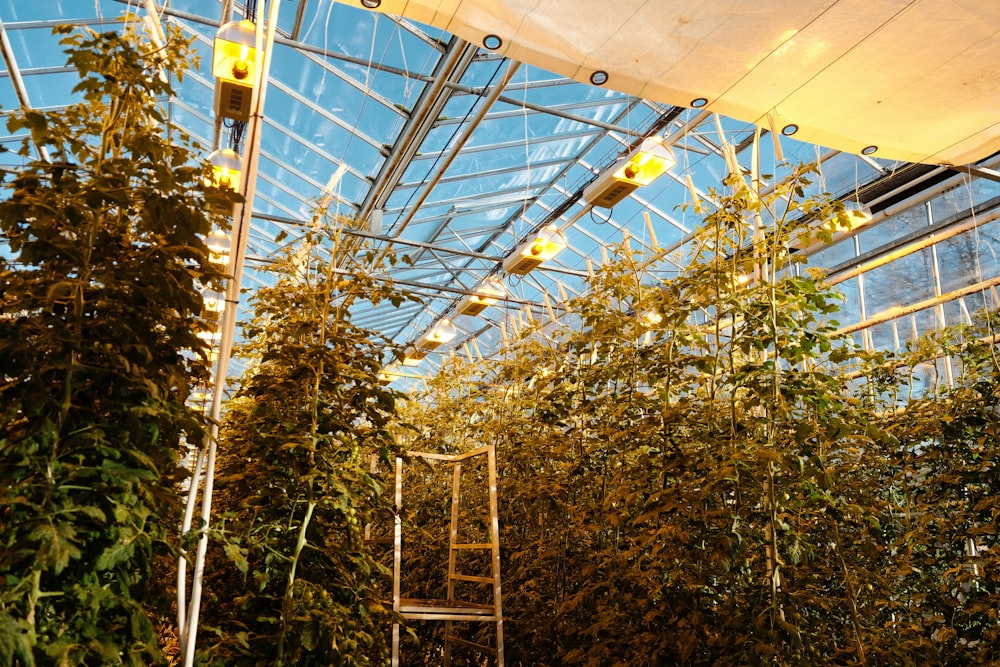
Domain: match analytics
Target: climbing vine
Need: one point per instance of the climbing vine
(695, 470)
(103, 224)
(295, 583)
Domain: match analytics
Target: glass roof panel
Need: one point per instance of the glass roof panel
(383, 113)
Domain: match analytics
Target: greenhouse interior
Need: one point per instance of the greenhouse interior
(499, 332)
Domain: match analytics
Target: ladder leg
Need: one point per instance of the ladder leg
(456, 482)
(495, 547)
(397, 555)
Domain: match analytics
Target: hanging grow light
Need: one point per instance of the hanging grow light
(389, 373)
(218, 247)
(547, 243)
(487, 294)
(234, 66)
(442, 332)
(211, 336)
(226, 168)
(413, 356)
(200, 394)
(853, 217)
(213, 303)
(649, 318)
(643, 165)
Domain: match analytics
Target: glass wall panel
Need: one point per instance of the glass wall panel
(907, 280)
(901, 224)
(970, 257)
(850, 310)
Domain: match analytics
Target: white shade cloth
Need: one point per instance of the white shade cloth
(919, 80)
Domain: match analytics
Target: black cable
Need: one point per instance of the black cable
(458, 128)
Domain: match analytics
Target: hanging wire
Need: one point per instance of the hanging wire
(369, 80)
(598, 220)
(527, 148)
(455, 133)
(977, 258)
(237, 132)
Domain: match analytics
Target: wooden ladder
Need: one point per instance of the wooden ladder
(453, 609)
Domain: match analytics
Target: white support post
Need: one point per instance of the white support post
(242, 215)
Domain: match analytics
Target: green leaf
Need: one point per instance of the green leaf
(16, 642)
(117, 553)
(237, 556)
(56, 544)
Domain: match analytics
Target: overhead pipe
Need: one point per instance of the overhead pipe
(18, 82)
(901, 311)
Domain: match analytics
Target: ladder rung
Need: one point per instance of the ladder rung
(412, 605)
(471, 545)
(469, 577)
(427, 616)
(465, 642)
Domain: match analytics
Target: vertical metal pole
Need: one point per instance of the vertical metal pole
(939, 309)
(397, 554)
(241, 231)
(495, 547)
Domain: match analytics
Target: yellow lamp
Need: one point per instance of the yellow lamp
(856, 216)
(210, 336)
(234, 56)
(413, 356)
(643, 165)
(649, 161)
(487, 294)
(650, 317)
(389, 373)
(213, 303)
(546, 244)
(234, 65)
(226, 168)
(218, 247)
(200, 394)
(852, 218)
(442, 332)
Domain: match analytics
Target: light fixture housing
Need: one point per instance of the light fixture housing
(487, 294)
(389, 373)
(442, 332)
(649, 317)
(200, 394)
(227, 166)
(643, 165)
(234, 52)
(213, 303)
(853, 217)
(545, 245)
(218, 247)
(413, 356)
(211, 336)
(234, 66)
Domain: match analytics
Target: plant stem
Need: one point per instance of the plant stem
(286, 605)
(851, 597)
